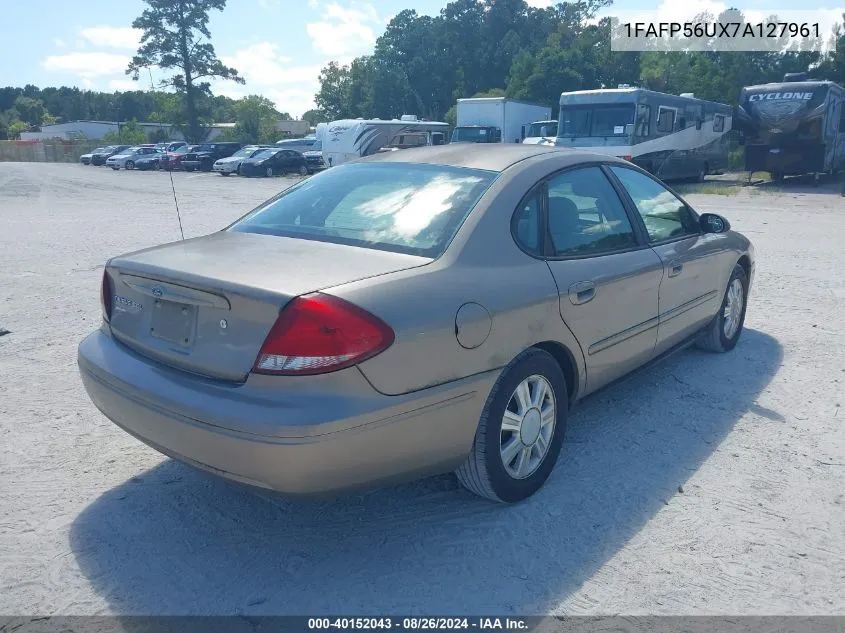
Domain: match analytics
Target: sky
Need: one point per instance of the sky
(279, 46)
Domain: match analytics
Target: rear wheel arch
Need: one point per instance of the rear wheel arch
(566, 361)
(745, 262)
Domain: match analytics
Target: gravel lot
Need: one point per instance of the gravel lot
(711, 484)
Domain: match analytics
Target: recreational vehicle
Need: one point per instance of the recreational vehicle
(495, 120)
(672, 136)
(794, 127)
(349, 139)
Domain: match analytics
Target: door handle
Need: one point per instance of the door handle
(675, 268)
(582, 292)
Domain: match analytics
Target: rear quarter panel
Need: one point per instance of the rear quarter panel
(482, 265)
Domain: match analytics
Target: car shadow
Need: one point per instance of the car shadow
(176, 541)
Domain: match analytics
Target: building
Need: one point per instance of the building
(95, 130)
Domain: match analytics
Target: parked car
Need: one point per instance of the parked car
(275, 162)
(314, 157)
(126, 158)
(232, 164)
(171, 146)
(204, 156)
(172, 160)
(85, 159)
(100, 158)
(353, 330)
(149, 162)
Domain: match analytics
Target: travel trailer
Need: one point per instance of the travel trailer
(349, 139)
(672, 136)
(794, 127)
(495, 120)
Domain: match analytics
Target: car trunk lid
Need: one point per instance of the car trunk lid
(205, 305)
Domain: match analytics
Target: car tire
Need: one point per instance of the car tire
(224, 173)
(723, 332)
(239, 170)
(492, 469)
(156, 167)
(116, 168)
(268, 172)
(303, 170)
(130, 164)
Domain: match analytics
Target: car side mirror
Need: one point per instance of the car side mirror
(712, 223)
(629, 129)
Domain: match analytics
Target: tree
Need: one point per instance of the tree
(256, 120)
(314, 117)
(333, 96)
(175, 36)
(15, 128)
(31, 111)
(129, 133)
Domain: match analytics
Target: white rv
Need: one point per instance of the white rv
(672, 136)
(495, 120)
(349, 139)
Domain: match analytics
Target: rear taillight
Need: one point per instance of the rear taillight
(105, 297)
(318, 333)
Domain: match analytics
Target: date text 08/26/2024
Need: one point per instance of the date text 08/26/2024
(418, 623)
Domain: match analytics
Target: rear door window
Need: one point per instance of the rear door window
(586, 216)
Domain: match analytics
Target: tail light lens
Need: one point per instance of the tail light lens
(106, 297)
(317, 334)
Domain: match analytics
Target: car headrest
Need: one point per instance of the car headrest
(563, 214)
(583, 189)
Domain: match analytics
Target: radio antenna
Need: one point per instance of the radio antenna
(176, 202)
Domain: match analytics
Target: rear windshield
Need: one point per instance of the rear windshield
(403, 208)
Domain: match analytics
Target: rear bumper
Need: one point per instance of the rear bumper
(191, 164)
(292, 440)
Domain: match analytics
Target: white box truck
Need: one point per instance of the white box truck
(495, 120)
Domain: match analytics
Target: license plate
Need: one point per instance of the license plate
(174, 322)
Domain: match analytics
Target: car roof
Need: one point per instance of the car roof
(490, 156)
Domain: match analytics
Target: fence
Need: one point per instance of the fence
(45, 151)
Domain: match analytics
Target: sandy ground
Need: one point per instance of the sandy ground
(711, 484)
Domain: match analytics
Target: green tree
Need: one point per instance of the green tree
(333, 96)
(175, 36)
(256, 120)
(314, 117)
(15, 128)
(31, 111)
(129, 133)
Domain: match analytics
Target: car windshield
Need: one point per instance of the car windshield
(206, 147)
(403, 208)
(604, 120)
(130, 150)
(244, 153)
(470, 134)
(549, 128)
(317, 147)
(265, 153)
